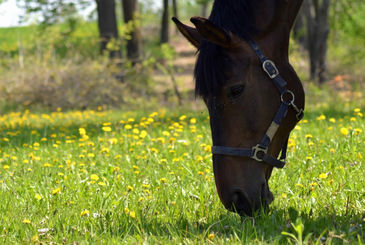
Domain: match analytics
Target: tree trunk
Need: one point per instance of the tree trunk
(175, 8)
(165, 22)
(175, 12)
(205, 9)
(134, 44)
(317, 21)
(107, 24)
(299, 28)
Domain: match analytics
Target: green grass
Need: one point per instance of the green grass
(138, 177)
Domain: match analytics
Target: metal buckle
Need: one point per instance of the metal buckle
(257, 150)
(270, 68)
(300, 115)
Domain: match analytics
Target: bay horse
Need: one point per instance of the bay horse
(253, 95)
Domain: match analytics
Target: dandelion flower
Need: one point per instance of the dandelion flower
(56, 191)
(323, 176)
(85, 213)
(106, 129)
(102, 183)
(94, 177)
(211, 236)
(26, 221)
(344, 131)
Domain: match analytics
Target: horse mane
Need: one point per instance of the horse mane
(237, 16)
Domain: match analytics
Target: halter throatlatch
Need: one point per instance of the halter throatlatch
(287, 97)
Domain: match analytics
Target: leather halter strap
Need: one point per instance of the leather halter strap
(287, 97)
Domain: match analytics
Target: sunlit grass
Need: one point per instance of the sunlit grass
(135, 176)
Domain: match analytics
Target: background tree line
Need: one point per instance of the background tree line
(318, 21)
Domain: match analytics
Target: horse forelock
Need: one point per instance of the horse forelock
(237, 16)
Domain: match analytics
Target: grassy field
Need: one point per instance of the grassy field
(133, 177)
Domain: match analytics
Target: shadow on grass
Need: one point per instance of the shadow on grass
(263, 228)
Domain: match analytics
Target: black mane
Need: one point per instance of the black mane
(237, 16)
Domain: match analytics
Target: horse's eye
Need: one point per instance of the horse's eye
(236, 91)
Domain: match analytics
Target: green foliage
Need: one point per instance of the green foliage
(347, 32)
(53, 11)
(146, 177)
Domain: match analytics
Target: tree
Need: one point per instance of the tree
(165, 22)
(53, 11)
(204, 4)
(175, 12)
(107, 23)
(134, 43)
(314, 18)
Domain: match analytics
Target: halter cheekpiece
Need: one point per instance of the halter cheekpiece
(287, 97)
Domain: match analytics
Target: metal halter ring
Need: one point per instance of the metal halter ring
(259, 153)
(288, 102)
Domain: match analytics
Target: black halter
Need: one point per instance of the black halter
(259, 152)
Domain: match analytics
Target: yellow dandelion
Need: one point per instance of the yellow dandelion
(358, 131)
(128, 126)
(344, 131)
(82, 131)
(85, 213)
(299, 185)
(91, 155)
(38, 197)
(308, 136)
(106, 129)
(323, 176)
(132, 214)
(165, 133)
(284, 195)
(211, 236)
(94, 177)
(130, 188)
(359, 155)
(163, 180)
(56, 191)
(321, 118)
(102, 183)
(126, 210)
(35, 238)
(332, 120)
(26, 221)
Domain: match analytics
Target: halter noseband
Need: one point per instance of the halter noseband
(287, 97)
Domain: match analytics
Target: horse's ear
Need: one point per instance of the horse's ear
(190, 33)
(212, 32)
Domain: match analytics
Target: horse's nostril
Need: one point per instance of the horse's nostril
(241, 203)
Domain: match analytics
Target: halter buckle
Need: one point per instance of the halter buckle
(258, 153)
(270, 68)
